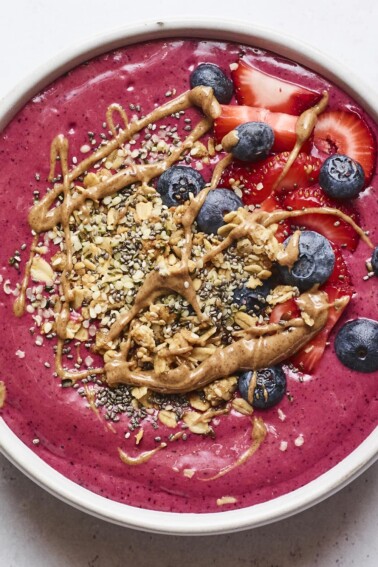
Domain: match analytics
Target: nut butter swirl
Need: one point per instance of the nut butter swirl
(270, 345)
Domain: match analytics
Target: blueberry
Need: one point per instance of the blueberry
(341, 177)
(315, 262)
(218, 203)
(356, 345)
(255, 141)
(175, 184)
(254, 300)
(210, 75)
(269, 390)
(374, 261)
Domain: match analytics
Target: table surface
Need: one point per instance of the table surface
(37, 529)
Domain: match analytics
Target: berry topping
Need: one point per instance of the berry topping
(338, 285)
(335, 229)
(340, 279)
(272, 203)
(263, 388)
(176, 184)
(341, 177)
(255, 88)
(283, 125)
(315, 262)
(218, 203)
(210, 75)
(257, 180)
(344, 132)
(374, 261)
(285, 311)
(254, 300)
(255, 140)
(356, 345)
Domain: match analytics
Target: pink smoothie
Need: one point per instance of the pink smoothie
(326, 416)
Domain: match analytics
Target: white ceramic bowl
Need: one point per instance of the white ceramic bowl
(163, 522)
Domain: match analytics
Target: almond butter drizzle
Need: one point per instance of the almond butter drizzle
(303, 129)
(255, 353)
(258, 434)
(3, 394)
(91, 397)
(230, 140)
(115, 107)
(141, 458)
(252, 387)
(270, 345)
(69, 374)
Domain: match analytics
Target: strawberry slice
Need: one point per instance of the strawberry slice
(283, 124)
(256, 180)
(272, 203)
(249, 178)
(345, 132)
(284, 311)
(335, 229)
(338, 285)
(256, 88)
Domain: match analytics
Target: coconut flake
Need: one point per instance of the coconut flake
(41, 271)
(299, 440)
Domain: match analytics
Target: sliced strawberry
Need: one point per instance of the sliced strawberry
(340, 279)
(282, 231)
(335, 229)
(282, 124)
(272, 203)
(338, 285)
(308, 357)
(284, 311)
(249, 177)
(256, 88)
(345, 132)
(257, 179)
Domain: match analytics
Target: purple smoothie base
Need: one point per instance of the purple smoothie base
(334, 410)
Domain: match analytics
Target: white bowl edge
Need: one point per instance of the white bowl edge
(171, 523)
(185, 523)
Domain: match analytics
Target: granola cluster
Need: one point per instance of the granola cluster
(117, 242)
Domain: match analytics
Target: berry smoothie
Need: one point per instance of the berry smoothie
(136, 432)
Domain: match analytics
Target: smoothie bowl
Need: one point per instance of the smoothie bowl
(189, 292)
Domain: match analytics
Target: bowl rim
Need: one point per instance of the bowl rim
(170, 522)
